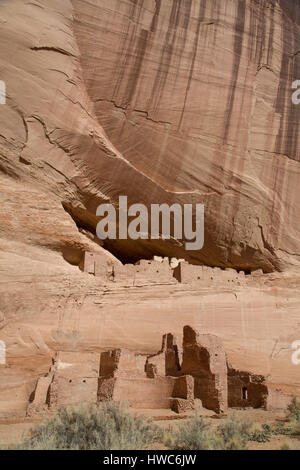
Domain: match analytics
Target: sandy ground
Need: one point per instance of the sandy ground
(13, 430)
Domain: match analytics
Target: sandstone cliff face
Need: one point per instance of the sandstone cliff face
(196, 95)
(162, 101)
(189, 101)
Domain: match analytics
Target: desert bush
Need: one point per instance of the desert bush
(295, 428)
(194, 434)
(261, 434)
(293, 417)
(234, 433)
(197, 434)
(294, 410)
(281, 430)
(105, 427)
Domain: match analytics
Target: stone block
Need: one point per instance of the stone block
(180, 405)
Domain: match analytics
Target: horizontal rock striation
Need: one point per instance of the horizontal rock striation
(163, 101)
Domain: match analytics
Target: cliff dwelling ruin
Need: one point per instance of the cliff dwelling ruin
(171, 379)
(160, 271)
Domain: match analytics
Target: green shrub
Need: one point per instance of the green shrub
(295, 428)
(105, 427)
(293, 416)
(294, 410)
(198, 434)
(263, 434)
(234, 433)
(282, 430)
(194, 434)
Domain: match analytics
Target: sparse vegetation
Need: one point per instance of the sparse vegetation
(232, 434)
(294, 409)
(89, 427)
(198, 434)
(195, 434)
(262, 434)
(293, 418)
(110, 426)
(235, 433)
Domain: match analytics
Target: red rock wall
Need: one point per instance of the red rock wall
(171, 101)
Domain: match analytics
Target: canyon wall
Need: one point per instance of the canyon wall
(163, 101)
(189, 101)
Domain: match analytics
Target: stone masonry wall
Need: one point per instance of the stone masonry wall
(160, 271)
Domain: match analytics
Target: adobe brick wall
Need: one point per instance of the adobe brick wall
(155, 381)
(97, 264)
(204, 358)
(186, 273)
(77, 364)
(124, 274)
(144, 392)
(183, 394)
(106, 386)
(87, 263)
(73, 391)
(180, 405)
(166, 361)
(122, 362)
(184, 387)
(158, 271)
(277, 399)
(246, 390)
(39, 401)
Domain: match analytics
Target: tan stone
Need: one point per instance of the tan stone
(184, 387)
(39, 401)
(180, 405)
(246, 390)
(204, 358)
(163, 102)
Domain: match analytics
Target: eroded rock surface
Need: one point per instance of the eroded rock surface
(162, 101)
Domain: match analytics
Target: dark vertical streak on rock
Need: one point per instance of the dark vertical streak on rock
(271, 37)
(194, 54)
(215, 13)
(126, 50)
(136, 68)
(252, 32)
(288, 136)
(155, 16)
(182, 39)
(163, 67)
(238, 44)
(262, 32)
